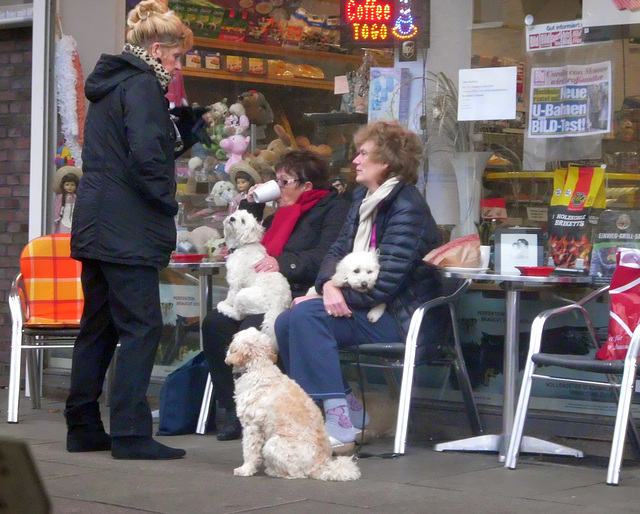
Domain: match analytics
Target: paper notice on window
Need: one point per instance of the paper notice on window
(570, 101)
(487, 94)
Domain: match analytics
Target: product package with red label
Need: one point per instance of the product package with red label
(577, 201)
(625, 298)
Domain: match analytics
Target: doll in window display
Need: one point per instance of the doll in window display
(244, 176)
(65, 185)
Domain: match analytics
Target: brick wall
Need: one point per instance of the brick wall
(15, 131)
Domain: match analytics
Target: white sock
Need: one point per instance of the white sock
(337, 420)
(355, 412)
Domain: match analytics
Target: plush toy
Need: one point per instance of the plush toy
(63, 156)
(256, 107)
(305, 144)
(236, 122)
(235, 146)
(197, 238)
(222, 193)
(265, 159)
(219, 111)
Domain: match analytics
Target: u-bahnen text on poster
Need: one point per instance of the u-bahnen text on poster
(570, 101)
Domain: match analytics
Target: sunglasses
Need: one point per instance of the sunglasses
(283, 182)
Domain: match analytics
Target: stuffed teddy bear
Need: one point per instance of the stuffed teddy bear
(265, 159)
(256, 107)
(235, 146)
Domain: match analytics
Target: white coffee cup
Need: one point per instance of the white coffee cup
(266, 192)
(485, 256)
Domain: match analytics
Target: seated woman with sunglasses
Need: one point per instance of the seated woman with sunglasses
(298, 235)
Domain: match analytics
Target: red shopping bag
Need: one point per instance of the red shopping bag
(625, 305)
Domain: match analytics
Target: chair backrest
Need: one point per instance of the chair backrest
(51, 281)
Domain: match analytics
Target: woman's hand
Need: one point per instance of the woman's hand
(334, 302)
(266, 264)
(250, 192)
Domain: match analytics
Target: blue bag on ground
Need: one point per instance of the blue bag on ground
(181, 397)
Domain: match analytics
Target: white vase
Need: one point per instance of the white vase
(468, 167)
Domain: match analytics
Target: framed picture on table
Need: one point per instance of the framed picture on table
(517, 246)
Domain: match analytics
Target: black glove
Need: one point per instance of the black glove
(191, 125)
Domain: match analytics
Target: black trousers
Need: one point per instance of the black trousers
(217, 332)
(122, 304)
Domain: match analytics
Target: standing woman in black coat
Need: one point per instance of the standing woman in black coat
(390, 216)
(123, 232)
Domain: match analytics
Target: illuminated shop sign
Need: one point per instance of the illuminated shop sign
(367, 23)
(376, 23)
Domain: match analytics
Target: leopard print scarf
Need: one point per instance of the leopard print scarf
(163, 76)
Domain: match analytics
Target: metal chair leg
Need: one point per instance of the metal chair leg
(201, 427)
(622, 420)
(515, 440)
(14, 371)
(463, 378)
(33, 375)
(407, 382)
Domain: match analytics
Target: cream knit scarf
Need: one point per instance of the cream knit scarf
(368, 212)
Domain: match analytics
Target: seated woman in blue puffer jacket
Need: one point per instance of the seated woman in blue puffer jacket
(389, 215)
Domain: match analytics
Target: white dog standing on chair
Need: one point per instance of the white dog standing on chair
(251, 292)
(282, 427)
(359, 271)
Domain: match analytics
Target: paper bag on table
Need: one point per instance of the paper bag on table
(463, 252)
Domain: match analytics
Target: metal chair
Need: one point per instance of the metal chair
(390, 355)
(611, 369)
(46, 304)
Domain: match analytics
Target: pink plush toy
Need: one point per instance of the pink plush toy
(235, 147)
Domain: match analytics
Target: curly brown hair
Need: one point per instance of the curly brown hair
(398, 148)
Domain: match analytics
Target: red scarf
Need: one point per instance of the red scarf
(286, 218)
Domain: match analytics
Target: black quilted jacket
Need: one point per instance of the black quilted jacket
(126, 197)
(405, 233)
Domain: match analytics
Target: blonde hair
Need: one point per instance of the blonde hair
(398, 148)
(151, 22)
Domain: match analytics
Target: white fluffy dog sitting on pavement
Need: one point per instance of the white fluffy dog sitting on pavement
(282, 427)
(251, 292)
(359, 271)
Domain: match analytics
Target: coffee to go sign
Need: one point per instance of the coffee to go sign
(375, 23)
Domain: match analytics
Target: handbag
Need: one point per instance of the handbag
(181, 398)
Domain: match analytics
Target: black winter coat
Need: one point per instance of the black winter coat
(405, 233)
(315, 231)
(126, 203)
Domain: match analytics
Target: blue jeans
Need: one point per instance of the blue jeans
(309, 341)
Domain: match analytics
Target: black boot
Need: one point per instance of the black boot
(88, 438)
(231, 428)
(137, 447)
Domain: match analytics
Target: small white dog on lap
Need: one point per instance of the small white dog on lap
(282, 427)
(251, 292)
(359, 271)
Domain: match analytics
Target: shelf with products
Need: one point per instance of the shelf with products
(534, 188)
(331, 64)
(259, 79)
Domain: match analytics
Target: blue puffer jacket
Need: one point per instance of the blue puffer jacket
(126, 197)
(405, 233)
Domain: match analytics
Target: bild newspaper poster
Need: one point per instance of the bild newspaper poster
(571, 101)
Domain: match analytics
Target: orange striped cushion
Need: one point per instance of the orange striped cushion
(52, 281)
